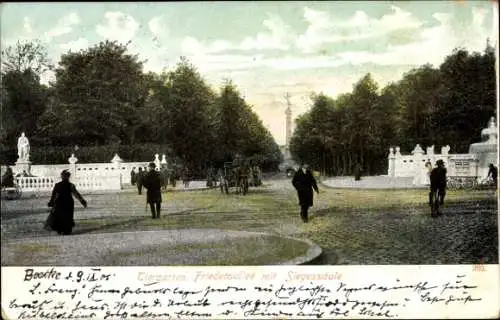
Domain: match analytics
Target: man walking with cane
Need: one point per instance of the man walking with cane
(152, 182)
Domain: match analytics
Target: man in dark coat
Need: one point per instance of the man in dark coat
(357, 172)
(8, 178)
(132, 177)
(152, 182)
(304, 183)
(186, 175)
(438, 182)
(61, 218)
(139, 179)
(493, 173)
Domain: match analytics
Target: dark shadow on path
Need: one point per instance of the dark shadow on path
(123, 223)
(18, 213)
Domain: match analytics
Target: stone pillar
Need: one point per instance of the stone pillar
(392, 163)
(163, 160)
(397, 161)
(418, 165)
(72, 164)
(22, 165)
(157, 161)
(117, 161)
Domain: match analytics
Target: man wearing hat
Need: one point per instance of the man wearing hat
(304, 183)
(438, 181)
(61, 217)
(152, 182)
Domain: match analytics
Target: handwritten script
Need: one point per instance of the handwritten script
(109, 293)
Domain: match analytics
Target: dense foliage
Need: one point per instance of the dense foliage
(449, 105)
(102, 102)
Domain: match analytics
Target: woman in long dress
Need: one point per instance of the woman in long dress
(61, 218)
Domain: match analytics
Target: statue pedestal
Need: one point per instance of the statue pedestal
(22, 165)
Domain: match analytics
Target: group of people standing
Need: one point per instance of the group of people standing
(167, 176)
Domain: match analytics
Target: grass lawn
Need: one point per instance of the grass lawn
(352, 226)
(242, 251)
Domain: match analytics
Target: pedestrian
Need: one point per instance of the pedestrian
(173, 175)
(139, 180)
(8, 178)
(304, 182)
(185, 177)
(133, 177)
(61, 217)
(164, 177)
(152, 182)
(438, 182)
(357, 171)
(493, 173)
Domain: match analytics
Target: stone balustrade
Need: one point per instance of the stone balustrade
(108, 182)
(83, 183)
(37, 183)
(86, 176)
(86, 169)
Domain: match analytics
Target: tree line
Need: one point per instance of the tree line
(102, 102)
(445, 105)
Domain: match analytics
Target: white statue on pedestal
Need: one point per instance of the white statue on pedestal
(23, 148)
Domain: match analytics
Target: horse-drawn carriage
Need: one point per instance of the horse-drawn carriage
(239, 175)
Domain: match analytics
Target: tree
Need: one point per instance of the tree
(26, 55)
(314, 139)
(23, 102)
(189, 128)
(467, 98)
(96, 96)
(23, 97)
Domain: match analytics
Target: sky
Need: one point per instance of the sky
(266, 48)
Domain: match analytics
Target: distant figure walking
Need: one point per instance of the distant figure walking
(152, 182)
(61, 217)
(186, 177)
(304, 183)
(438, 182)
(8, 178)
(133, 177)
(357, 172)
(173, 175)
(493, 173)
(164, 177)
(139, 179)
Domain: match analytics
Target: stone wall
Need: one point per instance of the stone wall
(413, 165)
(474, 164)
(86, 176)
